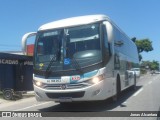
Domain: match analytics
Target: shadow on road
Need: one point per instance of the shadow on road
(96, 106)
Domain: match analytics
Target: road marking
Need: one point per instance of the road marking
(35, 105)
(149, 82)
(135, 94)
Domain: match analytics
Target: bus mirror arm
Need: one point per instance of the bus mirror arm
(24, 41)
(109, 48)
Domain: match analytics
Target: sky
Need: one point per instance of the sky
(137, 18)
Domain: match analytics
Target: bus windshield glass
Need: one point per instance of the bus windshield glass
(65, 47)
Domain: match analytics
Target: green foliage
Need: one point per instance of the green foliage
(1, 95)
(143, 71)
(140, 57)
(143, 45)
(154, 65)
(134, 39)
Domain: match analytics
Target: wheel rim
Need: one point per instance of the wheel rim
(7, 95)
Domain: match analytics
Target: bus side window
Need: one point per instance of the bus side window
(105, 37)
(106, 43)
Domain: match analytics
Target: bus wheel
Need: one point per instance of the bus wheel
(8, 94)
(118, 90)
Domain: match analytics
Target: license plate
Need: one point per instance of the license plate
(65, 99)
(63, 80)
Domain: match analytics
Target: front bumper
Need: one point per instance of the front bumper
(90, 93)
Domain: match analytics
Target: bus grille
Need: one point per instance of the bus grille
(68, 86)
(72, 95)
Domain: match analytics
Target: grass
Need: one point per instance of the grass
(1, 95)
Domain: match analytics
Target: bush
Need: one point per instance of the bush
(143, 71)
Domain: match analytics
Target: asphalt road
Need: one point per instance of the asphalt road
(145, 98)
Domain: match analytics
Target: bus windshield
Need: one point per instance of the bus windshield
(66, 46)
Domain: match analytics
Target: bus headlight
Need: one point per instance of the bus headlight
(95, 80)
(38, 83)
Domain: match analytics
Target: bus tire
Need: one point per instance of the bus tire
(118, 90)
(8, 94)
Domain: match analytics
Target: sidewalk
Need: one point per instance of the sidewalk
(1, 98)
(27, 95)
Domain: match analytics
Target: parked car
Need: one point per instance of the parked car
(157, 72)
(137, 71)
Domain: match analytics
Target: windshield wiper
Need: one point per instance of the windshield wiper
(47, 72)
(76, 64)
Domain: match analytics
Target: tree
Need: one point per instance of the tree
(143, 45)
(134, 39)
(154, 65)
(145, 64)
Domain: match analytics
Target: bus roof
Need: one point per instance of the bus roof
(74, 21)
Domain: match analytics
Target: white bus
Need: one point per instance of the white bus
(86, 58)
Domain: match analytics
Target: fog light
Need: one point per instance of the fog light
(95, 80)
(38, 83)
